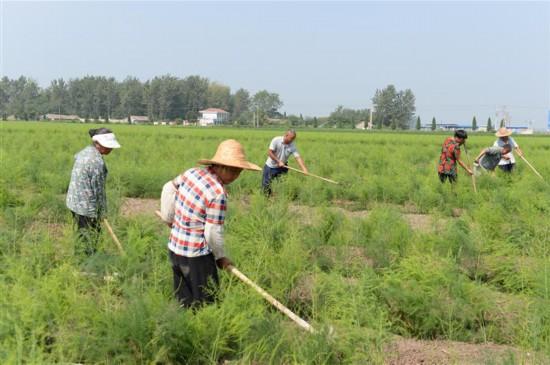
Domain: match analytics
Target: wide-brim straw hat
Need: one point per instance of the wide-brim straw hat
(503, 132)
(230, 153)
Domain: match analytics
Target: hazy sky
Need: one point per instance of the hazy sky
(459, 58)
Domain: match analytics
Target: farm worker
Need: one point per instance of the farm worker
(86, 197)
(450, 156)
(489, 158)
(279, 151)
(196, 243)
(507, 164)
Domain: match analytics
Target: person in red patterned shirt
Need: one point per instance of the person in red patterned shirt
(450, 156)
(196, 243)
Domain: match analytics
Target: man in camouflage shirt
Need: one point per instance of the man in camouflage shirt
(489, 158)
(86, 197)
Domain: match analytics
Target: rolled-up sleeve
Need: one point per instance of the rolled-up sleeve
(213, 233)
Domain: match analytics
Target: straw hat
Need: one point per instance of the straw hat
(230, 153)
(503, 132)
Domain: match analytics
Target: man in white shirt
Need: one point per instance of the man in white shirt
(279, 151)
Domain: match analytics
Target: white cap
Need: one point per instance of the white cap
(107, 140)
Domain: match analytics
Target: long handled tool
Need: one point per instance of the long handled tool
(313, 175)
(473, 170)
(299, 321)
(113, 236)
(474, 178)
(531, 166)
(233, 270)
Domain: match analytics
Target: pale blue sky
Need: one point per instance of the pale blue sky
(459, 58)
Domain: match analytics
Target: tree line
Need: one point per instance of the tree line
(104, 98)
(393, 109)
(168, 97)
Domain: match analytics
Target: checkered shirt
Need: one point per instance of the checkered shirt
(200, 199)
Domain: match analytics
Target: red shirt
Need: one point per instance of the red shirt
(450, 153)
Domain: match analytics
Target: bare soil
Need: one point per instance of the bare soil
(347, 255)
(421, 222)
(132, 207)
(52, 229)
(307, 215)
(405, 351)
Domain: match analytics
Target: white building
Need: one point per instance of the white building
(139, 119)
(213, 116)
(61, 117)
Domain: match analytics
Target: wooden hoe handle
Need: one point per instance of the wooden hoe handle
(312, 175)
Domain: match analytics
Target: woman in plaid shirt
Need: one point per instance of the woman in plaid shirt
(196, 239)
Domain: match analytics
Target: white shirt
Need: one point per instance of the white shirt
(282, 151)
(500, 143)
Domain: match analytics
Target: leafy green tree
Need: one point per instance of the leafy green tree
(5, 95)
(394, 108)
(346, 117)
(58, 97)
(266, 104)
(26, 101)
(474, 124)
(489, 125)
(502, 123)
(434, 124)
(418, 124)
(195, 96)
(240, 103)
(164, 98)
(219, 96)
(131, 98)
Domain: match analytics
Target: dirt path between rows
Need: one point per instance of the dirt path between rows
(406, 351)
(423, 222)
(132, 207)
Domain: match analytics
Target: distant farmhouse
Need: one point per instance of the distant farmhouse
(139, 119)
(61, 117)
(213, 116)
(118, 121)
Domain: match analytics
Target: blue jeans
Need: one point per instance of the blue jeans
(269, 174)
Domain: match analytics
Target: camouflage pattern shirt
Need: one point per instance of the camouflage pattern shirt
(86, 195)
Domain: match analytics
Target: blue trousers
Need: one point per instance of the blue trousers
(269, 174)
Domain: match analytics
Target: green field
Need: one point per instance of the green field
(389, 252)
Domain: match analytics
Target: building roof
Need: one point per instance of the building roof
(142, 118)
(213, 110)
(61, 116)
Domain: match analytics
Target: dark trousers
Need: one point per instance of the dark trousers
(195, 279)
(507, 168)
(443, 177)
(88, 233)
(268, 175)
